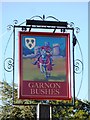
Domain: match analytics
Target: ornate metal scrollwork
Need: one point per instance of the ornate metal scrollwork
(9, 27)
(78, 66)
(72, 24)
(8, 64)
(15, 22)
(77, 29)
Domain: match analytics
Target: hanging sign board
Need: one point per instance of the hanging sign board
(44, 66)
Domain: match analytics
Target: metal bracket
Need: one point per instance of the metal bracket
(9, 63)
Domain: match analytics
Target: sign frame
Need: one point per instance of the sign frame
(40, 97)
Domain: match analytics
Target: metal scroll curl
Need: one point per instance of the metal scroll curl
(10, 26)
(78, 66)
(8, 64)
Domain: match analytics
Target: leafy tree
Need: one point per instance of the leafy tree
(81, 111)
(12, 112)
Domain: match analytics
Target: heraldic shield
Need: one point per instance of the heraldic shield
(30, 43)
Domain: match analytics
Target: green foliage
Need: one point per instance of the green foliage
(12, 112)
(81, 110)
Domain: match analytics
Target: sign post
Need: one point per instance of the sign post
(44, 112)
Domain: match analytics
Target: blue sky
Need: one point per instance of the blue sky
(76, 12)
